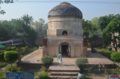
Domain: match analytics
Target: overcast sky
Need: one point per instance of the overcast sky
(40, 8)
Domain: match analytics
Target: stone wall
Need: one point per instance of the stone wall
(28, 65)
(72, 25)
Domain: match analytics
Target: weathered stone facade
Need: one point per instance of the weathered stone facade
(65, 32)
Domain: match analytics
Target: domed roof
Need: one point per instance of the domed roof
(65, 9)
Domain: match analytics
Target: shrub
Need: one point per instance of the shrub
(98, 51)
(110, 48)
(115, 56)
(1, 55)
(24, 50)
(89, 44)
(8, 49)
(103, 46)
(81, 63)
(85, 78)
(11, 56)
(44, 76)
(99, 47)
(106, 51)
(13, 69)
(13, 48)
(47, 60)
(17, 49)
(2, 64)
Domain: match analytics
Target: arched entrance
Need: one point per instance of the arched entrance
(65, 49)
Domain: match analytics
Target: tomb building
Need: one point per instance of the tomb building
(65, 33)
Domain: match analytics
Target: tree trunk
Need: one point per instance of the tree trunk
(115, 46)
(11, 67)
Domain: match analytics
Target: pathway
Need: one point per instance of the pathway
(93, 58)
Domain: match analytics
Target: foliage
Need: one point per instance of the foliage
(95, 22)
(13, 69)
(115, 56)
(98, 51)
(20, 26)
(5, 1)
(47, 60)
(110, 48)
(24, 50)
(89, 44)
(105, 52)
(104, 20)
(103, 46)
(93, 37)
(1, 54)
(81, 61)
(11, 56)
(40, 27)
(85, 78)
(44, 76)
(10, 48)
(86, 25)
(2, 64)
(109, 25)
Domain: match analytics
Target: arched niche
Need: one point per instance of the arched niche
(64, 33)
(51, 50)
(77, 50)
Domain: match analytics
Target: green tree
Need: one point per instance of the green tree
(26, 29)
(5, 1)
(109, 33)
(105, 20)
(95, 25)
(11, 56)
(86, 25)
(40, 27)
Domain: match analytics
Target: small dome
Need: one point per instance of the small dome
(65, 9)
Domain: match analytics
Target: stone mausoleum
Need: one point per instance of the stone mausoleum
(65, 33)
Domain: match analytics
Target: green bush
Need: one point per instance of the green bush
(8, 49)
(103, 46)
(13, 69)
(89, 44)
(11, 56)
(115, 56)
(98, 51)
(99, 47)
(106, 51)
(13, 48)
(110, 48)
(24, 50)
(1, 55)
(44, 76)
(85, 78)
(81, 63)
(47, 60)
(2, 64)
